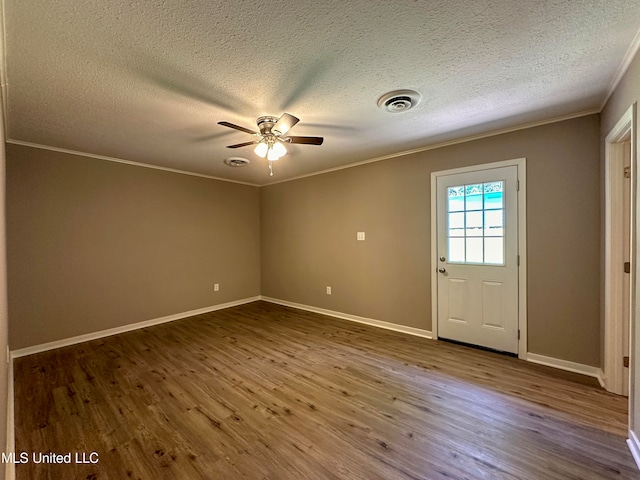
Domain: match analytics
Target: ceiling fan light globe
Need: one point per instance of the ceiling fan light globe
(272, 155)
(261, 149)
(279, 149)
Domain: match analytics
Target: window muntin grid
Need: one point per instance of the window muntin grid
(475, 223)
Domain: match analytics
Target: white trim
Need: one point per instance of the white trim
(531, 357)
(10, 468)
(434, 256)
(418, 332)
(521, 164)
(434, 146)
(126, 162)
(622, 69)
(634, 446)
(613, 253)
(522, 252)
(600, 378)
(574, 367)
(633, 334)
(125, 328)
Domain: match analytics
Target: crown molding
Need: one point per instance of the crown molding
(622, 69)
(127, 162)
(321, 172)
(434, 146)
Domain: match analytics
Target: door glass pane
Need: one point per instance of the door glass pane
(455, 199)
(474, 250)
(477, 189)
(456, 220)
(476, 218)
(456, 224)
(493, 220)
(456, 250)
(493, 187)
(493, 195)
(494, 250)
(473, 202)
(493, 200)
(474, 224)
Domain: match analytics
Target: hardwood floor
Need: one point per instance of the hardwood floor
(268, 392)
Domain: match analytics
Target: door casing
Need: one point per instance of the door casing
(522, 245)
(613, 252)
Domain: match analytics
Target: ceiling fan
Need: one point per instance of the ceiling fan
(272, 136)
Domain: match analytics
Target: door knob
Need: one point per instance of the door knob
(442, 270)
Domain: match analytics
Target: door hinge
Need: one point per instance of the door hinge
(518, 334)
(518, 260)
(517, 185)
(625, 361)
(627, 172)
(627, 267)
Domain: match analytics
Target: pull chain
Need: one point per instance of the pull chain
(270, 169)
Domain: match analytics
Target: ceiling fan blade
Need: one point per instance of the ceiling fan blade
(306, 140)
(284, 124)
(237, 127)
(238, 145)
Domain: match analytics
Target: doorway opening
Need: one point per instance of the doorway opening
(620, 180)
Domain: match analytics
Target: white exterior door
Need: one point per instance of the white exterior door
(477, 248)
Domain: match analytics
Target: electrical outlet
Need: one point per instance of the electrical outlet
(216, 287)
(328, 290)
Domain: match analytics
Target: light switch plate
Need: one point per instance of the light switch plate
(361, 236)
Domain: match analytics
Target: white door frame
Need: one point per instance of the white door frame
(521, 163)
(613, 251)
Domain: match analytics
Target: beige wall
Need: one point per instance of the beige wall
(625, 95)
(94, 245)
(309, 235)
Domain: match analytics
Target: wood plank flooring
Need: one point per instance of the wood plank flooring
(267, 392)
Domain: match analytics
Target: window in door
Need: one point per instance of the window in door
(475, 223)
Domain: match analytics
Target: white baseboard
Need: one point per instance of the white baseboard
(418, 332)
(600, 378)
(634, 446)
(21, 352)
(588, 370)
(574, 367)
(10, 467)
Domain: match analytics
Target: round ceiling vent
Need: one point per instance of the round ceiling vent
(399, 101)
(236, 161)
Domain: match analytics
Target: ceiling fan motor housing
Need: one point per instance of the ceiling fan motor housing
(265, 124)
(399, 101)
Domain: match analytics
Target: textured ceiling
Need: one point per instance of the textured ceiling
(147, 81)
